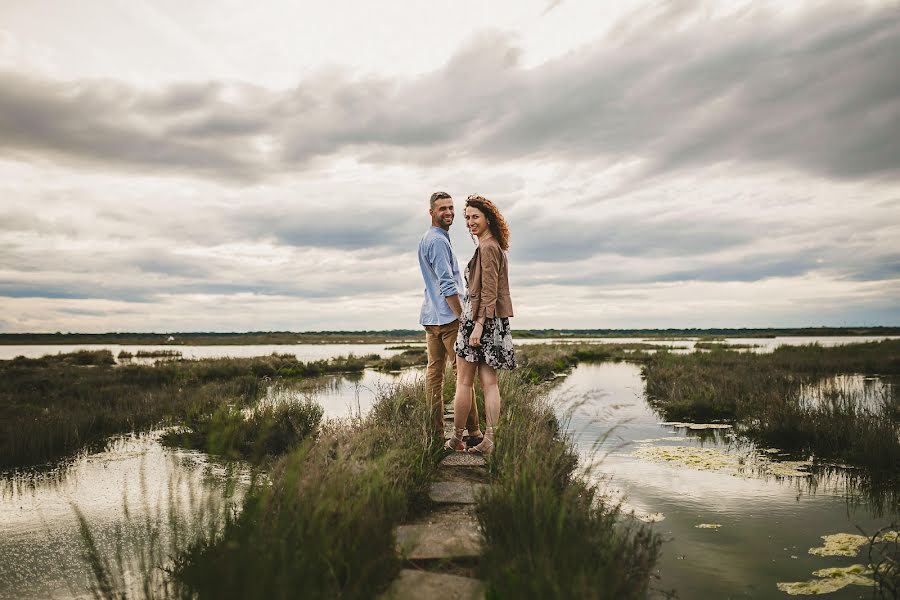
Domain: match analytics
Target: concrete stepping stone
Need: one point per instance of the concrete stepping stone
(444, 539)
(413, 585)
(463, 459)
(454, 492)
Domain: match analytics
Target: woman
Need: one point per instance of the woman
(484, 342)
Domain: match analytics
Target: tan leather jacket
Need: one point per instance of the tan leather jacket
(489, 281)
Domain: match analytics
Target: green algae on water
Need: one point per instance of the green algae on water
(830, 580)
(715, 459)
(840, 544)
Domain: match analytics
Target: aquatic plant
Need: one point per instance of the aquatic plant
(884, 561)
(266, 430)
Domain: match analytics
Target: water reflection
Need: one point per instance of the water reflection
(768, 519)
(133, 479)
(343, 395)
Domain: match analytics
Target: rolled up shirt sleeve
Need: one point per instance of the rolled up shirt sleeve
(490, 280)
(439, 255)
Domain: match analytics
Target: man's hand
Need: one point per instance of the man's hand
(455, 306)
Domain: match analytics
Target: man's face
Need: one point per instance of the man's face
(442, 213)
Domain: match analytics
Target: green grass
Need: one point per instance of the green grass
(256, 434)
(56, 405)
(551, 532)
(784, 399)
(711, 345)
(323, 527)
(410, 357)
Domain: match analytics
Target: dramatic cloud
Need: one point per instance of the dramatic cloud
(682, 165)
(819, 92)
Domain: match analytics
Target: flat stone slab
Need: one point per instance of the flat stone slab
(463, 459)
(413, 585)
(446, 539)
(454, 492)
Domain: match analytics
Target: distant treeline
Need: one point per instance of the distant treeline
(395, 335)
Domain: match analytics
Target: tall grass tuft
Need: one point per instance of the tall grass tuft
(324, 526)
(266, 430)
(884, 562)
(789, 398)
(550, 531)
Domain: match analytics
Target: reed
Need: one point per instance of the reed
(256, 434)
(788, 398)
(550, 530)
(59, 404)
(323, 526)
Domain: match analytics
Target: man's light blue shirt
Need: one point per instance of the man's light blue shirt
(442, 279)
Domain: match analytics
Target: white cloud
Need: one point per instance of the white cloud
(652, 176)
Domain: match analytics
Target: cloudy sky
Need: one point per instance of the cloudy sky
(185, 165)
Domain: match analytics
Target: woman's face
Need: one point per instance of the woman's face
(476, 221)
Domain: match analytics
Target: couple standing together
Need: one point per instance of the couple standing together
(467, 322)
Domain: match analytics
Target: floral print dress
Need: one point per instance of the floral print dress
(496, 339)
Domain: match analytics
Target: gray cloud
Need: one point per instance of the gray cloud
(819, 93)
(96, 122)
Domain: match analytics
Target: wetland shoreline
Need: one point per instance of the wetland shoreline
(382, 457)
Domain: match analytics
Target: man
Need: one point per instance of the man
(441, 310)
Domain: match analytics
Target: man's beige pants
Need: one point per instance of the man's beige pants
(439, 340)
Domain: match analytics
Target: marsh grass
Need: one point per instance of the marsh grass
(883, 559)
(786, 398)
(721, 345)
(258, 433)
(324, 526)
(59, 404)
(410, 357)
(541, 362)
(157, 354)
(550, 530)
(321, 523)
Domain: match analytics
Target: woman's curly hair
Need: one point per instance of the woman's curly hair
(496, 222)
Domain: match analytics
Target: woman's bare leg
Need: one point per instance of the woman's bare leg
(491, 389)
(462, 401)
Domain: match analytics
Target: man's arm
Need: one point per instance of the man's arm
(440, 257)
(455, 306)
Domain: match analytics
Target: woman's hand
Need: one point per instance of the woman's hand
(475, 338)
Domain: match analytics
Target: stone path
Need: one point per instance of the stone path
(441, 547)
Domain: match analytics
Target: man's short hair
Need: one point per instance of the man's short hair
(438, 196)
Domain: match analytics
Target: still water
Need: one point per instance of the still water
(40, 545)
(758, 525)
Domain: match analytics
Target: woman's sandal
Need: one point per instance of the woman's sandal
(455, 442)
(487, 444)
